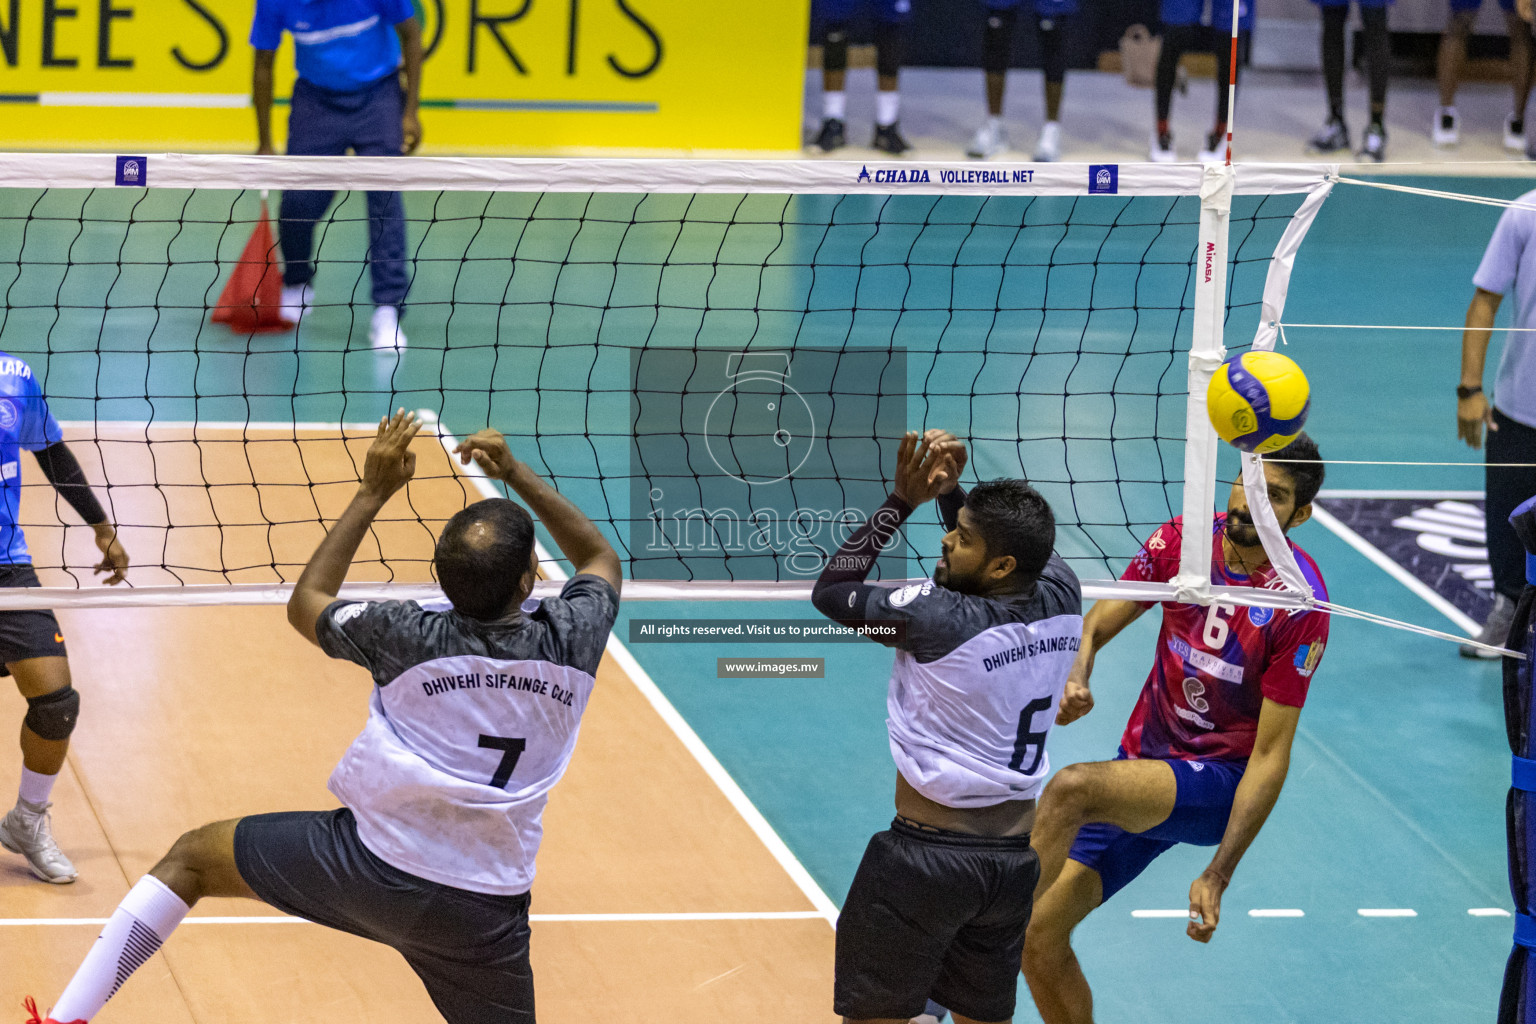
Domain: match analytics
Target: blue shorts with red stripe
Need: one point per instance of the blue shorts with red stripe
(1190, 12)
(1042, 8)
(1199, 818)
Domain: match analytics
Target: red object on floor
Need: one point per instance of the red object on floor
(252, 300)
(30, 1005)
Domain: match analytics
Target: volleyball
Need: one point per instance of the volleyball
(1258, 401)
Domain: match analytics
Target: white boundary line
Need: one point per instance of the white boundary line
(759, 825)
(1397, 572)
(1277, 913)
(1387, 912)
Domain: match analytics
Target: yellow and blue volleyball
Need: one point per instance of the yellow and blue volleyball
(1258, 401)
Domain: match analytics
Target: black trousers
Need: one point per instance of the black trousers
(1507, 487)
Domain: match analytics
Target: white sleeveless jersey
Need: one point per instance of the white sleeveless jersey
(974, 690)
(469, 726)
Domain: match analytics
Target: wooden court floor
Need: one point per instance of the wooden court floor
(656, 900)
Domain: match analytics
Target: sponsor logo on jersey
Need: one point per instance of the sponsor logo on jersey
(1260, 616)
(906, 595)
(15, 368)
(1156, 543)
(9, 415)
(1198, 766)
(1307, 657)
(58, 638)
(10, 470)
(1190, 716)
(346, 613)
(1205, 661)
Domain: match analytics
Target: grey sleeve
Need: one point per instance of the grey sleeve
(378, 635)
(1059, 591)
(580, 620)
(931, 620)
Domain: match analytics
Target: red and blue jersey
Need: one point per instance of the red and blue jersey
(1216, 664)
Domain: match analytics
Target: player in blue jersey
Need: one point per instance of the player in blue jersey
(31, 643)
(1051, 17)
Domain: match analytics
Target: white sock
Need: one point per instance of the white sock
(887, 105)
(994, 121)
(35, 786)
(834, 105)
(136, 929)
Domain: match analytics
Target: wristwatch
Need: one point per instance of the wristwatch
(1462, 391)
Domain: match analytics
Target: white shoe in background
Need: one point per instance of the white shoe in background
(989, 141)
(384, 330)
(1513, 141)
(296, 302)
(1445, 131)
(1048, 149)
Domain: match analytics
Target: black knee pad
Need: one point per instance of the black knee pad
(889, 37)
(997, 41)
(834, 48)
(1053, 48)
(52, 716)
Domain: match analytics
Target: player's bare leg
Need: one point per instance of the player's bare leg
(1134, 794)
(201, 863)
(52, 707)
(1520, 79)
(1055, 978)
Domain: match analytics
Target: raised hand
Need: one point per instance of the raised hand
(952, 447)
(488, 448)
(390, 463)
(922, 469)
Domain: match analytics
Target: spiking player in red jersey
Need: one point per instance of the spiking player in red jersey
(1207, 747)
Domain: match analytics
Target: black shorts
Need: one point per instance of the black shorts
(470, 949)
(935, 915)
(27, 634)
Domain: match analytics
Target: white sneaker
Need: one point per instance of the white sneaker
(990, 140)
(384, 331)
(28, 830)
(1445, 130)
(1162, 151)
(1048, 148)
(1513, 141)
(296, 302)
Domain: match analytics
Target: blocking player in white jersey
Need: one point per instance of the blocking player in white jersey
(939, 905)
(472, 719)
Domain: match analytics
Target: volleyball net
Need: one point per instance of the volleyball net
(714, 360)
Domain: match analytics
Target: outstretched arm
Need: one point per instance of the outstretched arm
(924, 466)
(574, 534)
(1255, 798)
(388, 466)
(63, 470)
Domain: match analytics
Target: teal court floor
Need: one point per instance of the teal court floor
(1396, 793)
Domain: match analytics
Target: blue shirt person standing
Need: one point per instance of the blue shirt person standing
(31, 642)
(359, 89)
(1509, 263)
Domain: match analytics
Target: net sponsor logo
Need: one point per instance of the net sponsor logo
(132, 171)
(1103, 179)
(1210, 270)
(893, 175)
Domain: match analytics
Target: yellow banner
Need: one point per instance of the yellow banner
(501, 76)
